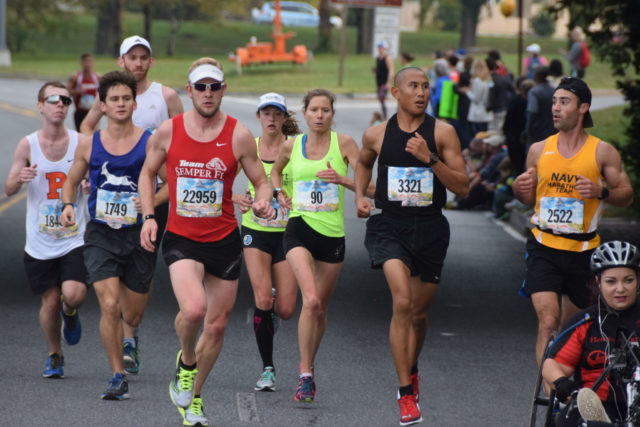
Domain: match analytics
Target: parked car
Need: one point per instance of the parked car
(292, 14)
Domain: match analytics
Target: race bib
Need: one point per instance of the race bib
(198, 198)
(86, 102)
(412, 186)
(562, 215)
(278, 221)
(49, 221)
(316, 196)
(116, 208)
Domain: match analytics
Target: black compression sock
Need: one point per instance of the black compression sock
(414, 369)
(406, 390)
(263, 329)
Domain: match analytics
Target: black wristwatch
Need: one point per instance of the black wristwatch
(150, 216)
(433, 159)
(276, 191)
(604, 194)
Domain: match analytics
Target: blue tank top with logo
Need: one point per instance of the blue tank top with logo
(114, 183)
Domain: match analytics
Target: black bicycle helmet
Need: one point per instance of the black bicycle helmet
(615, 254)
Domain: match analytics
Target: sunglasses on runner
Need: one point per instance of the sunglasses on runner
(54, 99)
(201, 87)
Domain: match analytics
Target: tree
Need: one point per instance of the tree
(470, 12)
(25, 16)
(616, 39)
(324, 27)
(109, 27)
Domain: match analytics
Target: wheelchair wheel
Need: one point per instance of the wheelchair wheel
(539, 397)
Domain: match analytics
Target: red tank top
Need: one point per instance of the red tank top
(200, 177)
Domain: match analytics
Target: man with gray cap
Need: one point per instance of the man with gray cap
(155, 104)
(203, 149)
(569, 177)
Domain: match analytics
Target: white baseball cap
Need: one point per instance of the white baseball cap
(274, 99)
(533, 48)
(206, 71)
(130, 42)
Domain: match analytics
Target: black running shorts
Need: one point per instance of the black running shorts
(421, 243)
(43, 274)
(563, 272)
(222, 259)
(117, 253)
(322, 248)
(269, 242)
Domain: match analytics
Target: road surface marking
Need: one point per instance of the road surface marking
(7, 203)
(23, 111)
(247, 410)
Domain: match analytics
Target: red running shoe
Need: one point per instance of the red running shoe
(415, 382)
(409, 410)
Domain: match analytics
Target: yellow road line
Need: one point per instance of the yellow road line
(10, 202)
(13, 109)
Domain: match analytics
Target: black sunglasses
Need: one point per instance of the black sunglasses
(201, 87)
(54, 99)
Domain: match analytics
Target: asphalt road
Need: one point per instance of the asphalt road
(477, 367)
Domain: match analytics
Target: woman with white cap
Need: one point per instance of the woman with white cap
(262, 239)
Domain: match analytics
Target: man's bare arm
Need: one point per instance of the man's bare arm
(90, 123)
(20, 171)
(174, 104)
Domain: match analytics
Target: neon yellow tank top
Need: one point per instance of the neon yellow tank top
(279, 223)
(319, 203)
(563, 220)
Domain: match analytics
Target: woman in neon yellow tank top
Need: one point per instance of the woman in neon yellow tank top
(314, 237)
(262, 240)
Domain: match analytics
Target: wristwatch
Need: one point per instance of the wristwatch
(604, 194)
(433, 159)
(150, 216)
(276, 191)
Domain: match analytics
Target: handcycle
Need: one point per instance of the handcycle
(623, 366)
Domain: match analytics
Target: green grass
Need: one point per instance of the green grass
(55, 54)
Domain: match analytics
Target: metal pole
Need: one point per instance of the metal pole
(343, 44)
(520, 14)
(5, 55)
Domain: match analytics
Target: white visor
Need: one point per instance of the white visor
(206, 71)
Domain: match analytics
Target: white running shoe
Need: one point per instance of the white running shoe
(590, 406)
(267, 381)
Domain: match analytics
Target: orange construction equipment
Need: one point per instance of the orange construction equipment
(267, 52)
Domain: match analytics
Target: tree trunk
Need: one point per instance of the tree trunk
(102, 28)
(173, 31)
(146, 13)
(469, 23)
(364, 22)
(324, 27)
(116, 26)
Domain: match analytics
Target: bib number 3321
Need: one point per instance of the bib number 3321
(412, 186)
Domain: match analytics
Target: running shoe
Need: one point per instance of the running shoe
(415, 382)
(590, 406)
(54, 366)
(194, 414)
(267, 381)
(118, 388)
(181, 387)
(131, 358)
(409, 410)
(306, 390)
(71, 327)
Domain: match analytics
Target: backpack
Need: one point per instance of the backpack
(585, 57)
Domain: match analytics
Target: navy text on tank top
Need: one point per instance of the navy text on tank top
(114, 182)
(393, 154)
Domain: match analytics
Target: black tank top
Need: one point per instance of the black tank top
(392, 153)
(382, 72)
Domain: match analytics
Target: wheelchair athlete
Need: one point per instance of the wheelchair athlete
(581, 351)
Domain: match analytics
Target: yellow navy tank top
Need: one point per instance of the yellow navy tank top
(564, 220)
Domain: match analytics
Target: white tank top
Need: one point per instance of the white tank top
(46, 238)
(152, 109)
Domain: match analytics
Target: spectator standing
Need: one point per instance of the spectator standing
(461, 124)
(500, 67)
(576, 52)
(441, 69)
(515, 124)
(539, 117)
(533, 60)
(384, 74)
(478, 116)
(498, 96)
(556, 72)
